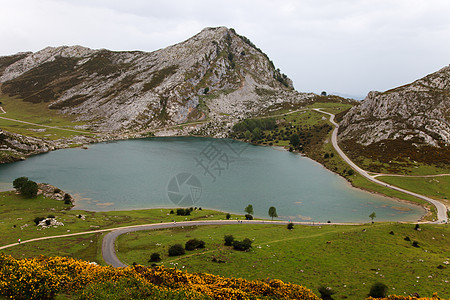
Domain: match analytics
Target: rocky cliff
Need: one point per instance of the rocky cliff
(407, 124)
(217, 77)
(417, 112)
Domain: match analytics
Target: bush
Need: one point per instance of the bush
(229, 239)
(290, 226)
(56, 191)
(29, 189)
(326, 293)
(194, 244)
(51, 216)
(19, 182)
(47, 222)
(183, 212)
(155, 257)
(415, 244)
(37, 220)
(407, 239)
(378, 290)
(228, 216)
(176, 250)
(248, 217)
(172, 212)
(417, 227)
(244, 245)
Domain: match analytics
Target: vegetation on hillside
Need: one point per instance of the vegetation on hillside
(45, 277)
(348, 259)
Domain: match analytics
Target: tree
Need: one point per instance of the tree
(373, 215)
(294, 140)
(378, 290)
(248, 135)
(29, 189)
(290, 226)
(256, 133)
(249, 209)
(273, 212)
(19, 182)
(228, 216)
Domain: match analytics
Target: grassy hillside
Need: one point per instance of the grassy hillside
(17, 214)
(349, 259)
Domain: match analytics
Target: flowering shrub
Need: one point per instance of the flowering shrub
(44, 277)
(394, 297)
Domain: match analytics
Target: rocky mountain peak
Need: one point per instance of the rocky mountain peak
(216, 75)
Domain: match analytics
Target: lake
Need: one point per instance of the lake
(220, 174)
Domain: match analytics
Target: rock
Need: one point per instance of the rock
(416, 113)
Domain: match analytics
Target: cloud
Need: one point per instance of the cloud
(349, 46)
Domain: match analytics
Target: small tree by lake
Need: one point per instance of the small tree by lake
(373, 215)
(249, 209)
(273, 212)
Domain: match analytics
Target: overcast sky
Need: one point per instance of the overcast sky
(343, 46)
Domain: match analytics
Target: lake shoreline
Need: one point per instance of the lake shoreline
(112, 140)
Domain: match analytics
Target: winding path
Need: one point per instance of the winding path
(108, 245)
(441, 208)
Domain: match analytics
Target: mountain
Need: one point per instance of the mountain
(407, 119)
(215, 77)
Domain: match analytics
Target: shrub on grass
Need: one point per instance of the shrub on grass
(248, 217)
(326, 292)
(417, 227)
(176, 250)
(228, 216)
(229, 239)
(244, 245)
(19, 182)
(415, 244)
(56, 191)
(378, 290)
(155, 257)
(290, 226)
(407, 239)
(29, 189)
(194, 244)
(37, 220)
(47, 222)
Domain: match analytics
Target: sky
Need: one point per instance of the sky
(347, 47)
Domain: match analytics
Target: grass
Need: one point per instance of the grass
(331, 107)
(435, 187)
(37, 113)
(17, 215)
(36, 131)
(355, 258)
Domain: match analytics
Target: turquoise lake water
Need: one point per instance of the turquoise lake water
(210, 173)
